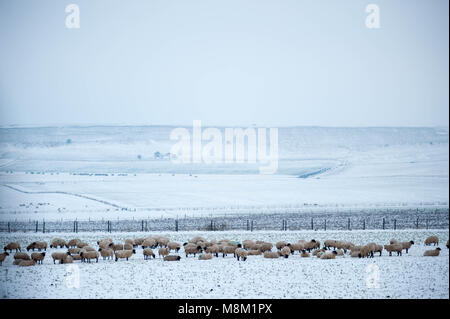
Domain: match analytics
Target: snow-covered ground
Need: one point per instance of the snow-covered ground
(408, 276)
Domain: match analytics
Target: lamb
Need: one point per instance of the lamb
(58, 243)
(432, 253)
(88, 255)
(73, 243)
(192, 249)
(23, 256)
(39, 245)
(407, 245)
(38, 257)
(174, 246)
(205, 256)
(285, 251)
(106, 253)
(3, 257)
(242, 253)
(12, 246)
(60, 256)
(270, 254)
(331, 255)
(148, 252)
(432, 240)
(394, 248)
(172, 258)
(280, 244)
(26, 263)
(163, 252)
(120, 254)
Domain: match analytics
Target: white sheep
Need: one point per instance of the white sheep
(432, 253)
(38, 257)
(432, 240)
(120, 254)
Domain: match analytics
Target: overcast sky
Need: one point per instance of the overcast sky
(225, 62)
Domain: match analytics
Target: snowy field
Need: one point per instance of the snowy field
(97, 172)
(409, 276)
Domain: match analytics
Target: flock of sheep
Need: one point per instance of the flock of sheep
(107, 249)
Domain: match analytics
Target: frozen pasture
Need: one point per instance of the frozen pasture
(408, 276)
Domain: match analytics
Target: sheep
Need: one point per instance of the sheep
(104, 243)
(432, 253)
(242, 253)
(88, 255)
(174, 246)
(149, 242)
(116, 247)
(432, 240)
(228, 250)
(76, 257)
(82, 244)
(68, 260)
(280, 244)
(285, 252)
(378, 249)
(106, 253)
(270, 254)
(60, 256)
(163, 241)
(318, 251)
(247, 244)
(407, 245)
(26, 263)
(304, 253)
(130, 242)
(74, 250)
(38, 257)
(266, 247)
(394, 248)
(163, 252)
(195, 240)
(206, 256)
(17, 262)
(393, 241)
(58, 243)
(23, 256)
(313, 244)
(192, 249)
(73, 243)
(12, 246)
(340, 252)
(295, 247)
(331, 255)
(148, 252)
(214, 249)
(255, 252)
(329, 243)
(3, 257)
(139, 241)
(128, 247)
(120, 254)
(355, 253)
(39, 245)
(88, 248)
(172, 258)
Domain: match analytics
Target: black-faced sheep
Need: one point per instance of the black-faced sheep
(270, 254)
(58, 243)
(86, 256)
(407, 245)
(432, 240)
(106, 253)
(60, 256)
(280, 244)
(192, 249)
(148, 252)
(3, 257)
(432, 253)
(73, 243)
(26, 263)
(121, 254)
(39, 245)
(38, 257)
(285, 252)
(394, 248)
(242, 254)
(12, 246)
(23, 256)
(206, 256)
(172, 258)
(163, 252)
(329, 255)
(174, 246)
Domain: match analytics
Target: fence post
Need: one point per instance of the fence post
(9, 227)
(142, 225)
(211, 225)
(417, 223)
(348, 224)
(43, 227)
(395, 224)
(364, 224)
(248, 225)
(383, 222)
(37, 224)
(312, 223)
(176, 224)
(427, 223)
(325, 224)
(76, 224)
(251, 226)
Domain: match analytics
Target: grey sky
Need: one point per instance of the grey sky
(225, 62)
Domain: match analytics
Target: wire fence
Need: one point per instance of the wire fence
(387, 219)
